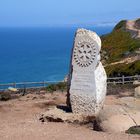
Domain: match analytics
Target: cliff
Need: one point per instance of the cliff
(121, 49)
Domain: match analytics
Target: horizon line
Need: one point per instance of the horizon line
(97, 24)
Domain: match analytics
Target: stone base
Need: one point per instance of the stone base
(118, 115)
(59, 115)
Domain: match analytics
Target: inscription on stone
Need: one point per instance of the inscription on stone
(82, 82)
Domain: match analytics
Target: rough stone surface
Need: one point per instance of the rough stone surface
(136, 82)
(58, 115)
(120, 116)
(137, 92)
(87, 78)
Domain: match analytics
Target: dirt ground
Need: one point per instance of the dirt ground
(19, 120)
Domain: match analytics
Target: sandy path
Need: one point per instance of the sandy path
(130, 25)
(19, 121)
(126, 60)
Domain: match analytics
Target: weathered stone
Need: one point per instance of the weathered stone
(59, 115)
(136, 82)
(87, 79)
(120, 116)
(137, 92)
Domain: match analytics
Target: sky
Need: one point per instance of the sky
(16, 13)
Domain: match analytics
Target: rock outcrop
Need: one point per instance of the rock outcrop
(120, 116)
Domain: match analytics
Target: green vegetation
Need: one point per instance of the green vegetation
(134, 130)
(123, 69)
(119, 43)
(120, 25)
(62, 86)
(5, 96)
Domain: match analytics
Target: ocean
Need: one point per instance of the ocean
(37, 54)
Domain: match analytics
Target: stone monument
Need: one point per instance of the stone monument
(87, 78)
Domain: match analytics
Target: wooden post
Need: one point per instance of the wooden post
(123, 81)
(138, 77)
(44, 84)
(14, 84)
(24, 89)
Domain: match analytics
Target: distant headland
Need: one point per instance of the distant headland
(121, 49)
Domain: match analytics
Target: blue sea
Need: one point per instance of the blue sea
(37, 54)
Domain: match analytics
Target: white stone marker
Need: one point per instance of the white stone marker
(87, 78)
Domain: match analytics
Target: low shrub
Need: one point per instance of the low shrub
(62, 86)
(5, 96)
(118, 42)
(123, 69)
(120, 25)
(134, 130)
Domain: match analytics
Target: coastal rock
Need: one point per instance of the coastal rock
(120, 116)
(137, 92)
(87, 78)
(58, 115)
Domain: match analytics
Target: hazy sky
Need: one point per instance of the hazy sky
(66, 12)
